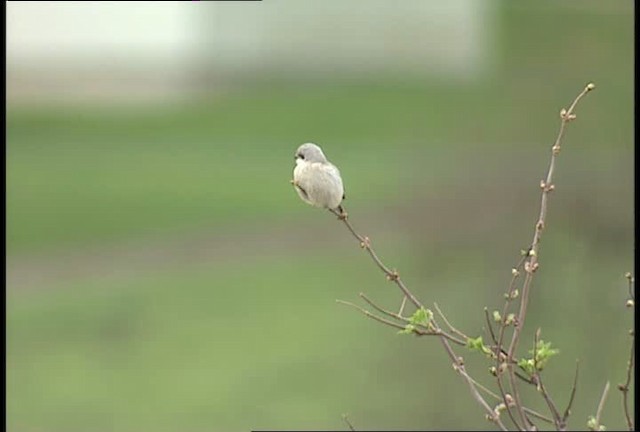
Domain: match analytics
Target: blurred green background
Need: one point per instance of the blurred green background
(164, 276)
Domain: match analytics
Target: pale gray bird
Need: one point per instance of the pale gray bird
(317, 180)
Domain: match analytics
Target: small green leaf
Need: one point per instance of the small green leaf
(408, 329)
(496, 316)
(526, 365)
(421, 317)
(477, 345)
(543, 353)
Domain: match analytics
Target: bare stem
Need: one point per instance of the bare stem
(547, 186)
(458, 364)
(446, 321)
(375, 317)
(531, 265)
(490, 327)
(527, 410)
(426, 331)
(505, 358)
(349, 424)
(567, 411)
(404, 302)
(537, 378)
(365, 243)
(624, 388)
(500, 358)
(603, 399)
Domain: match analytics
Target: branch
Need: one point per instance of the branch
(531, 265)
(458, 363)
(501, 355)
(505, 359)
(375, 317)
(624, 388)
(537, 379)
(429, 331)
(567, 412)
(490, 327)
(510, 400)
(446, 321)
(566, 115)
(603, 399)
(346, 420)
(365, 243)
(594, 423)
(491, 414)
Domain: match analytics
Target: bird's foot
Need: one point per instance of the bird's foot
(342, 214)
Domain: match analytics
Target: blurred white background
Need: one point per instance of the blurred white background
(139, 50)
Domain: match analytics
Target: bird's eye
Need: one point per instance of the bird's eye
(300, 155)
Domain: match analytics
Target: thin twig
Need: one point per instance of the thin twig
(523, 378)
(427, 331)
(508, 401)
(365, 243)
(446, 321)
(375, 317)
(395, 277)
(530, 266)
(506, 398)
(557, 419)
(631, 280)
(538, 415)
(516, 396)
(624, 388)
(490, 327)
(603, 399)
(509, 298)
(530, 263)
(404, 302)
(567, 411)
(499, 349)
(546, 186)
(497, 397)
(346, 420)
(491, 414)
(381, 310)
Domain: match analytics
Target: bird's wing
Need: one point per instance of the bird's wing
(336, 174)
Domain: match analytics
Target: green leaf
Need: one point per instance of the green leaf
(543, 353)
(408, 329)
(421, 317)
(478, 345)
(526, 365)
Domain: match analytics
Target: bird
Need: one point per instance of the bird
(317, 181)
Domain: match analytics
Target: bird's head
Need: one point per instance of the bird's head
(309, 152)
